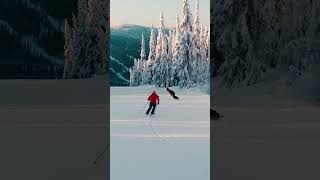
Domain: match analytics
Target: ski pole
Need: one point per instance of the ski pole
(100, 155)
(144, 106)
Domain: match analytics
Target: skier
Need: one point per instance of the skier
(153, 98)
(172, 93)
(214, 115)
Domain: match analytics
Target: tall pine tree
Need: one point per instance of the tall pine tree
(175, 53)
(186, 24)
(89, 37)
(186, 66)
(197, 34)
(68, 50)
(142, 63)
(159, 38)
(151, 57)
(157, 76)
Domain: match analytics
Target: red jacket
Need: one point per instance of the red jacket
(153, 98)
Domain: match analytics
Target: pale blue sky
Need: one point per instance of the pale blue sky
(147, 12)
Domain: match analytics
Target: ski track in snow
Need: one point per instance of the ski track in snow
(119, 75)
(30, 44)
(118, 62)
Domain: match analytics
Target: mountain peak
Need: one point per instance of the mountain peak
(127, 26)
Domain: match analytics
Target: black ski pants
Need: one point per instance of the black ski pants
(153, 107)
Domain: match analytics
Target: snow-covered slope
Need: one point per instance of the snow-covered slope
(179, 133)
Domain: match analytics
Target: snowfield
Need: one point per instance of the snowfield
(269, 130)
(53, 129)
(173, 144)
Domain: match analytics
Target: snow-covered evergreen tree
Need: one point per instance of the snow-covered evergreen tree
(146, 73)
(207, 44)
(152, 47)
(97, 48)
(196, 25)
(142, 51)
(170, 57)
(175, 53)
(179, 58)
(170, 39)
(197, 34)
(185, 62)
(140, 71)
(82, 12)
(90, 39)
(132, 71)
(143, 69)
(203, 65)
(157, 76)
(68, 51)
(160, 38)
(80, 40)
(161, 72)
(186, 24)
(151, 57)
(135, 78)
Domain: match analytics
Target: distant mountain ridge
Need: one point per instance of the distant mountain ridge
(125, 43)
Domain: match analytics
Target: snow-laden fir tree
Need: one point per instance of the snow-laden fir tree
(160, 38)
(139, 70)
(146, 73)
(142, 51)
(170, 42)
(196, 25)
(132, 71)
(197, 33)
(186, 24)
(177, 36)
(142, 62)
(152, 47)
(89, 36)
(186, 61)
(175, 53)
(97, 29)
(68, 50)
(178, 58)
(207, 44)
(203, 65)
(160, 77)
(157, 77)
(170, 57)
(80, 24)
(137, 76)
(151, 57)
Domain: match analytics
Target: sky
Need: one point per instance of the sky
(147, 12)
